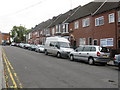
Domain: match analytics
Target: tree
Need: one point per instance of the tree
(19, 33)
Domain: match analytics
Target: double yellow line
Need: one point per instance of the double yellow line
(11, 72)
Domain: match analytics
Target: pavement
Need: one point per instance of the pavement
(2, 79)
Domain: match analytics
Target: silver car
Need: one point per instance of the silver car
(40, 48)
(91, 54)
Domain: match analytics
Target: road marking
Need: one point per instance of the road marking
(10, 73)
(8, 64)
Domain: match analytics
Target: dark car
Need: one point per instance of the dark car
(32, 47)
(117, 61)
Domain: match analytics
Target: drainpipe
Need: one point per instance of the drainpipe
(116, 28)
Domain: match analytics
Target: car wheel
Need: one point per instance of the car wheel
(91, 61)
(39, 51)
(58, 55)
(46, 53)
(71, 58)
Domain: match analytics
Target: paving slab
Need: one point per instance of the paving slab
(2, 79)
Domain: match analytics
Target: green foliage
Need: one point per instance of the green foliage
(18, 33)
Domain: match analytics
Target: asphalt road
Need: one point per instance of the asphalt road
(36, 70)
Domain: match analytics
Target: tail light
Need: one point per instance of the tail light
(114, 58)
(98, 53)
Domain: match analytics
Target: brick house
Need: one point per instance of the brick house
(59, 27)
(95, 24)
(4, 38)
(81, 24)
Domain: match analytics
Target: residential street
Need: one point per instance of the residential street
(36, 70)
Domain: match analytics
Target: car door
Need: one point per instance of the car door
(51, 47)
(55, 49)
(85, 53)
(77, 53)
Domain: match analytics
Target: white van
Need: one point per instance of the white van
(58, 46)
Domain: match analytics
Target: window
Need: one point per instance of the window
(47, 32)
(76, 25)
(80, 49)
(89, 41)
(95, 42)
(65, 28)
(87, 49)
(86, 22)
(99, 21)
(118, 16)
(82, 41)
(53, 31)
(106, 42)
(111, 18)
(93, 49)
(57, 29)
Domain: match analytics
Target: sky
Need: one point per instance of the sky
(29, 13)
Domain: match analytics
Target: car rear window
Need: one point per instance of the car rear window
(104, 49)
(93, 49)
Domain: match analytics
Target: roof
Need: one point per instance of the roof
(93, 8)
(63, 17)
(85, 10)
(5, 34)
(107, 6)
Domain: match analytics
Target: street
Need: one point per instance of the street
(36, 70)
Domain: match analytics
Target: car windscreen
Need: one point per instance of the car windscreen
(63, 44)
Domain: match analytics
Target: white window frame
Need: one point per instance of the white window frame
(119, 16)
(53, 31)
(104, 42)
(76, 25)
(89, 41)
(98, 21)
(82, 41)
(111, 18)
(65, 28)
(57, 28)
(86, 22)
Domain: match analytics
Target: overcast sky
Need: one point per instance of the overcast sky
(29, 13)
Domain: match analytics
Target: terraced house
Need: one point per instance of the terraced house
(96, 23)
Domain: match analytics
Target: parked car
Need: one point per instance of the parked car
(22, 45)
(91, 54)
(117, 60)
(26, 46)
(13, 44)
(58, 46)
(32, 47)
(40, 48)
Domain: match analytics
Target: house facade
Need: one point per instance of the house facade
(96, 23)
(4, 38)
(97, 28)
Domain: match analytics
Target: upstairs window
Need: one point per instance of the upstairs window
(65, 28)
(53, 31)
(86, 22)
(99, 21)
(58, 28)
(118, 16)
(76, 25)
(111, 18)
